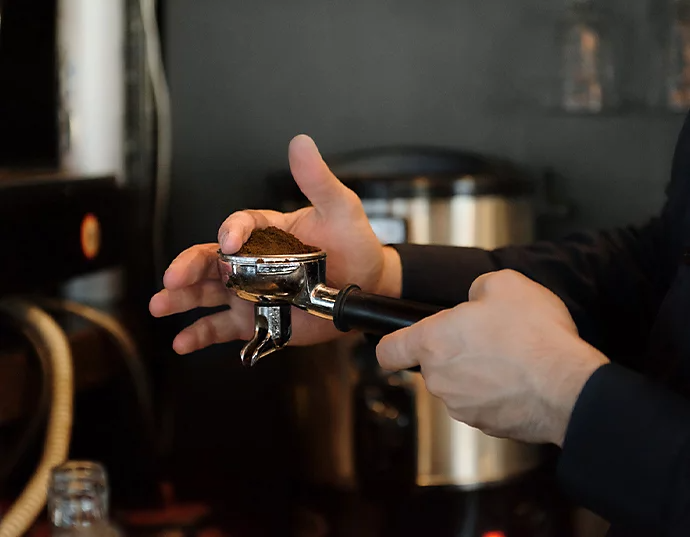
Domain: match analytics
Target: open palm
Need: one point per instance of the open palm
(336, 222)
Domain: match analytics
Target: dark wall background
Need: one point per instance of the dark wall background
(247, 76)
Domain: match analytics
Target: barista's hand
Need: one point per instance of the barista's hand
(336, 223)
(509, 361)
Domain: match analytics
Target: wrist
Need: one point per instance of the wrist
(390, 281)
(577, 369)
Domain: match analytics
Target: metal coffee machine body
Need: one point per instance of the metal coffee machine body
(361, 427)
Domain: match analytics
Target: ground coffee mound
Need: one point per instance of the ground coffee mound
(274, 241)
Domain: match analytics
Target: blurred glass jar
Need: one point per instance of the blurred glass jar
(678, 57)
(78, 501)
(587, 83)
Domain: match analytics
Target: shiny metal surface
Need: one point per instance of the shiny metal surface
(485, 222)
(297, 280)
(273, 278)
(453, 453)
(322, 301)
(272, 331)
(450, 453)
(275, 283)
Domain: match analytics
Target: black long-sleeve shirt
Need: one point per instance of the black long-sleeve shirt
(626, 454)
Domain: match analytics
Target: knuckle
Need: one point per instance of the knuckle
(436, 385)
(510, 277)
(478, 287)
(501, 281)
(208, 332)
(350, 202)
(427, 341)
(247, 219)
(471, 417)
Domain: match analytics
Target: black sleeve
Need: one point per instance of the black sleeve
(626, 454)
(611, 282)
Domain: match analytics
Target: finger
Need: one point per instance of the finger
(315, 179)
(237, 228)
(195, 264)
(235, 323)
(205, 294)
(478, 288)
(502, 284)
(423, 342)
(396, 352)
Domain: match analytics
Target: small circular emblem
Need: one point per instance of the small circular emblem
(90, 236)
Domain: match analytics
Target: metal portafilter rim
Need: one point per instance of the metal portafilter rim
(272, 258)
(274, 278)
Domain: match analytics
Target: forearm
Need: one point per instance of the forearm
(390, 283)
(440, 275)
(611, 282)
(626, 454)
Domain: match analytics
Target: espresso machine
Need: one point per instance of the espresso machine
(364, 434)
(75, 165)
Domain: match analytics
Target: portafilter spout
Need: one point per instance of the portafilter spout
(275, 283)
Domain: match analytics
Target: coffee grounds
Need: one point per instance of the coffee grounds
(274, 241)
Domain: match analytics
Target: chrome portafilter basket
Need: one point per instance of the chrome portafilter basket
(276, 283)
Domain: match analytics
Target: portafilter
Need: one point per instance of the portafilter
(276, 283)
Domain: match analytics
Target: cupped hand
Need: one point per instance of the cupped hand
(509, 361)
(335, 222)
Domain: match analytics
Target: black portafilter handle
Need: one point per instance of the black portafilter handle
(375, 314)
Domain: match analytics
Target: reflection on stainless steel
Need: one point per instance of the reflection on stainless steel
(322, 301)
(484, 222)
(274, 284)
(452, 453)
(274, 278)
(272, 331)
(297, 280)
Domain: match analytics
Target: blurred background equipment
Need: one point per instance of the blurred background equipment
(588, 70)
(77, 175)
(51, 343)
(79, 500)
(678, 56)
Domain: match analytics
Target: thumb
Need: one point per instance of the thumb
(314, 178)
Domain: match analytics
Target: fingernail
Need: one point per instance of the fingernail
(222, 239)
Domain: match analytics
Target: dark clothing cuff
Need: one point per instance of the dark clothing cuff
(440, 275)
(626, 450)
